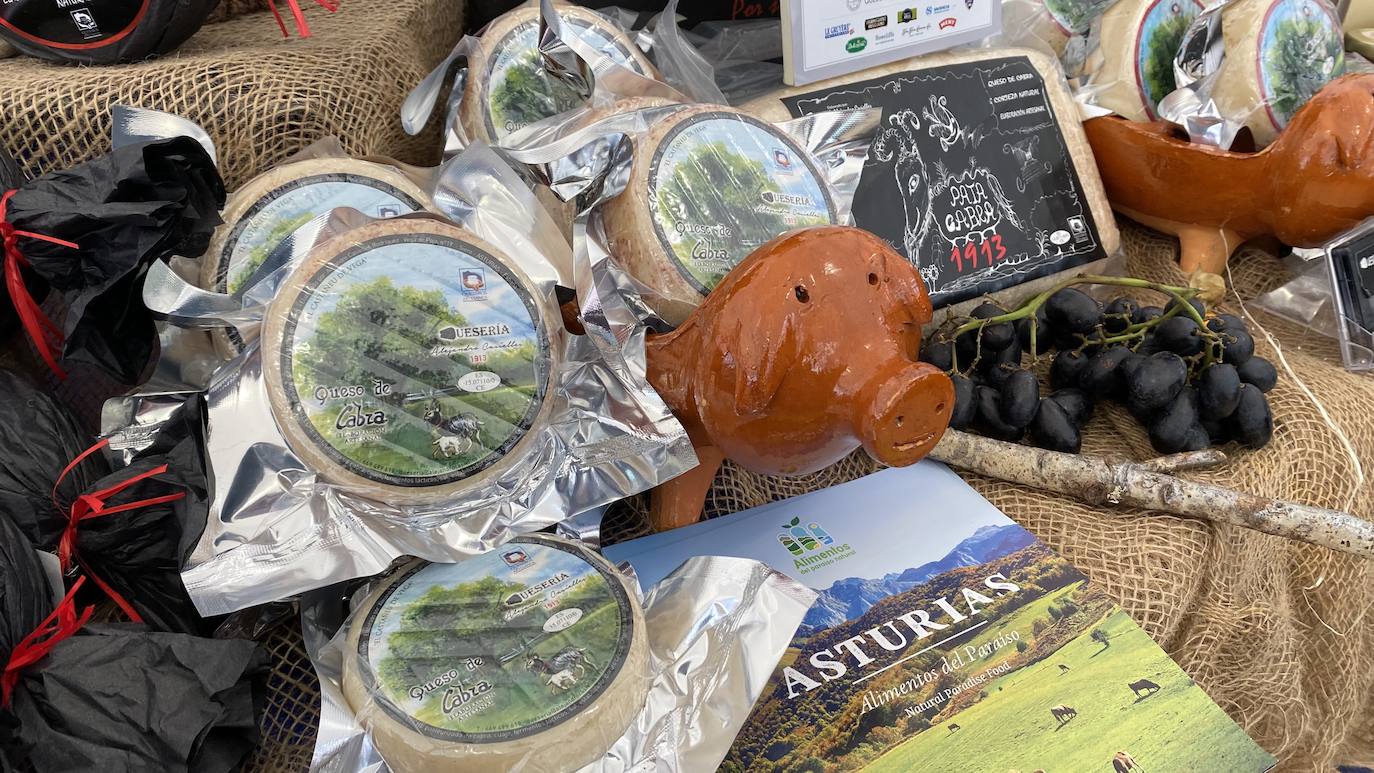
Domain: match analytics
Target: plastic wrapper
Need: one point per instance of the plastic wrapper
(682, 193)
(413, 391)
(1252, 64)
(1056, 27)
(137, 552)
(506, 83)
(1124, 62)
(39, 437)
(101, 33)
(564, 668)
(91, 231)
(112, 697)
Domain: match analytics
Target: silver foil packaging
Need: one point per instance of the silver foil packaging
(687, 671)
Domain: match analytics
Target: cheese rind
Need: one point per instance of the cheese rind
(532, 656)
(1278, 54)
(409, 361)
(261, 214)
(1131, 68)
(507, 87)
(708, 185)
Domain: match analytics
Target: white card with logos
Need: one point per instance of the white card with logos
(827, 38)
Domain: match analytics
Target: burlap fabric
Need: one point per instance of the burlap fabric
(260, 96)
(1280, 634)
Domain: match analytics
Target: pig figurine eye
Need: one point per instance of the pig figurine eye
(801, 293)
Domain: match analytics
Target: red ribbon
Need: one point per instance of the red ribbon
(45, 335)
(92, 505)
(298, 16)
(63, 622)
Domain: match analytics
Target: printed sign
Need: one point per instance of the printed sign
(823, 38)
(948, 644)
(970, 177)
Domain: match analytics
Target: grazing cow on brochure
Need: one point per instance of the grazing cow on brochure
(1062, 714)
(1143, 686)
(1063, 669)
(1125, 763)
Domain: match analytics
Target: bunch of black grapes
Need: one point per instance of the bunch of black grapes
(1192, 386)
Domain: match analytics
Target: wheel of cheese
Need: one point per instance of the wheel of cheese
(1051, 22)
(531, 657)
(1278, 54)
(270, 206)
(408, 361)
(708, 185)
(507, 88)
(1132, 67)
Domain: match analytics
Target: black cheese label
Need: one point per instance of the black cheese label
(72, 24)
(498, 647)
(970, 177)
(414, 360)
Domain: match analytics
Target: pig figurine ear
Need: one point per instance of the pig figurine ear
(762, 359)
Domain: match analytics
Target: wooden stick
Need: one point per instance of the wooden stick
(1188, 460)
(1098, 482)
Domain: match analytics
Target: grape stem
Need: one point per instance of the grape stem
(1182, 296)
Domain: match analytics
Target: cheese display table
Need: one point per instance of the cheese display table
(1274, 630)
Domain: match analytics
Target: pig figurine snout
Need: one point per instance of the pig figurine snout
(904, 414)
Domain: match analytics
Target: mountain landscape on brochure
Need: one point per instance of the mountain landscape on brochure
(851, 597)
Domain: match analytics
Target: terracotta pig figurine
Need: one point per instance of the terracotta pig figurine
(1315, 181)
(804, 352)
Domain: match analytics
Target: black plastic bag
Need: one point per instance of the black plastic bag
(38, 438)
(138, 553)
(124, 210)
(119, 697)
(101, 33)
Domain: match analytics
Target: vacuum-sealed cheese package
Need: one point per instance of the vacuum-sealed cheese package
(409, 361)
(980, 174)
(683, 193)
(709, 184)
(1252, 64)
(268, 208)
(505, 82)
(541, 657)
(1049, 25)
(412, 390)
(541, 654)
(1130, 65)
(508, 87)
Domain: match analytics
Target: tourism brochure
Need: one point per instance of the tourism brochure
(948, 638)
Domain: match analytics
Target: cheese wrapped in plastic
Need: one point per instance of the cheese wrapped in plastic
(540, 657)
(411, 390)
(1131, 67)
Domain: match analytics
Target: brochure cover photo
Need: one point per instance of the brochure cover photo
(948, 638)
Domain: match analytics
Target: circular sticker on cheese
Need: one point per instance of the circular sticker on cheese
(413, 359)
(1300, 48)
(279, 212)
(1158, 38)
(519, 90)
(499, 647)
(721, 184)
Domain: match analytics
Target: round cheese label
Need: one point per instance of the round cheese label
(1301, 48)
(1157, 40)
(75, 26)
(721, 184)
(414, 359)
(520, 92)
(276, 215)
(501, 646)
